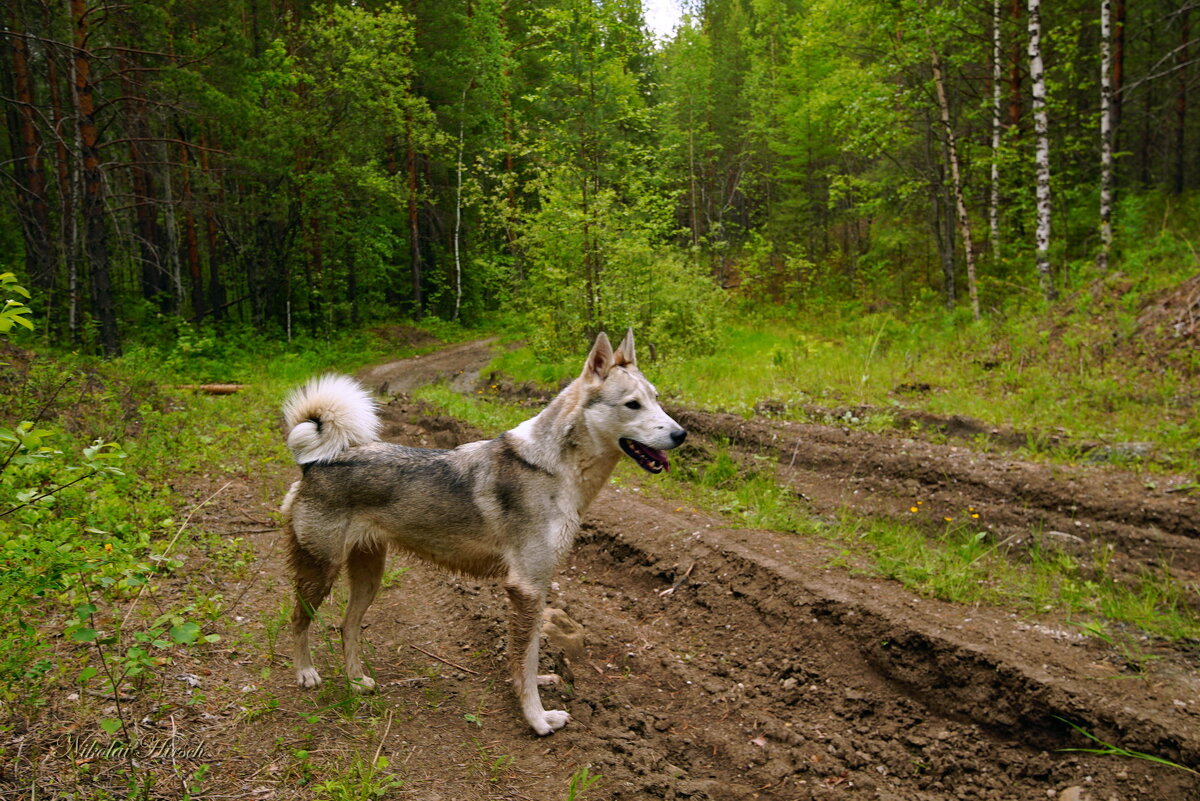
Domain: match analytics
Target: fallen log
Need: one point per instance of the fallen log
(213, 389)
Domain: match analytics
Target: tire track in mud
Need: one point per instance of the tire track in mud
(1151, 521)
(765, 674)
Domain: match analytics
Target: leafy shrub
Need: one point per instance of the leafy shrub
(672, 305)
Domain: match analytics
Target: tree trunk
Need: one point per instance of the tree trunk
(190, 237)
(174, 295)
(1181, 86)
(95, 228)
(33, 206)
(1014, 68)
(212, 197)
(314, 270)
(994, 195)
(145, 216)
(462, 120)
(1118, 67)
(1106, 134)
(1041, 124)
(414, 232)
(66, 218)
(960, 204)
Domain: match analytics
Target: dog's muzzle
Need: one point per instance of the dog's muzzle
(652, 460)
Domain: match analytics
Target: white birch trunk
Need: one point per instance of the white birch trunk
(1106, 134)
(994, 198)
(458, 207)
(1041, 125)
(964, 221)
(174, 266)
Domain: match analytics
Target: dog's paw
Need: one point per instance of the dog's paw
(551, 721)
(363, 685)
(549, 678)
(308, 677)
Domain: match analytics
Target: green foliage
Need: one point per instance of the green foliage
(673, 308)
(88, 527)
(1108, 749)
(363, 780)
(580, 782)
(14, 312)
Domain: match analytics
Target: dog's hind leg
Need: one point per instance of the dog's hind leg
(365, 570)
(523, 642)
(313, 576)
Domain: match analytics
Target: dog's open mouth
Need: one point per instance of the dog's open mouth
(649, 459)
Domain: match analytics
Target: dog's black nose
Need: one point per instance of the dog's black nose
(678, 436)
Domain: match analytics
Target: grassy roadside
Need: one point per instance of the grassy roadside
(1067, 379)
(103, 467)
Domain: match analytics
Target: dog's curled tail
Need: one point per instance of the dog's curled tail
(328, 415)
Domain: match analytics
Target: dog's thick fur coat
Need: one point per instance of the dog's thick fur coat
(508, 507)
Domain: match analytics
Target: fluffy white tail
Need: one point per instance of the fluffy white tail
(328, 415)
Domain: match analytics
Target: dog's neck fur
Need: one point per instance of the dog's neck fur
(562, 427)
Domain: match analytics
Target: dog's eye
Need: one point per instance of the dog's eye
(633, 405)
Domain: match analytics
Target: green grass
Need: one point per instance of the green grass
(489, 414)
(1003, 373)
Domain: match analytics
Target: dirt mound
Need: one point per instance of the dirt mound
(420, 425)
(460, 364)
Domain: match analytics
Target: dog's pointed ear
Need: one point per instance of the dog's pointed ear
(625, 353)
(600, 360)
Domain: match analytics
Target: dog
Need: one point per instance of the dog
(508, 507)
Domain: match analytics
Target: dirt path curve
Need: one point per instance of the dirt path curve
(717, 664)
(459, 364)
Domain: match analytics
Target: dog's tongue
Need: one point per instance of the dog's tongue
(649, 459)
(658, 456)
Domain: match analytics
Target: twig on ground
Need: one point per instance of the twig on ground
(382, 739)
(445, 661)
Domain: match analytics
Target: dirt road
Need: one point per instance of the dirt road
(719, 663)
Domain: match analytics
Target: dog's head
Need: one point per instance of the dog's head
(623, 406)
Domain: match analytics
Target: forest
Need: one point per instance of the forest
(920, 279)
(298, 166)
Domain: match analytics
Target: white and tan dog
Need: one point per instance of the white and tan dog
(508, 507)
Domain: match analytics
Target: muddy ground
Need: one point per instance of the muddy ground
(717, 662)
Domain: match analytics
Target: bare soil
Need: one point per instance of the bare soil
(717, 662)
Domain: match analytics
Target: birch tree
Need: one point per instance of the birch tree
(1106, 134)
(994, 195)
(960, 204)
(1041, 126)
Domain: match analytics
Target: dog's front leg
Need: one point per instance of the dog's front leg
(524, 639)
